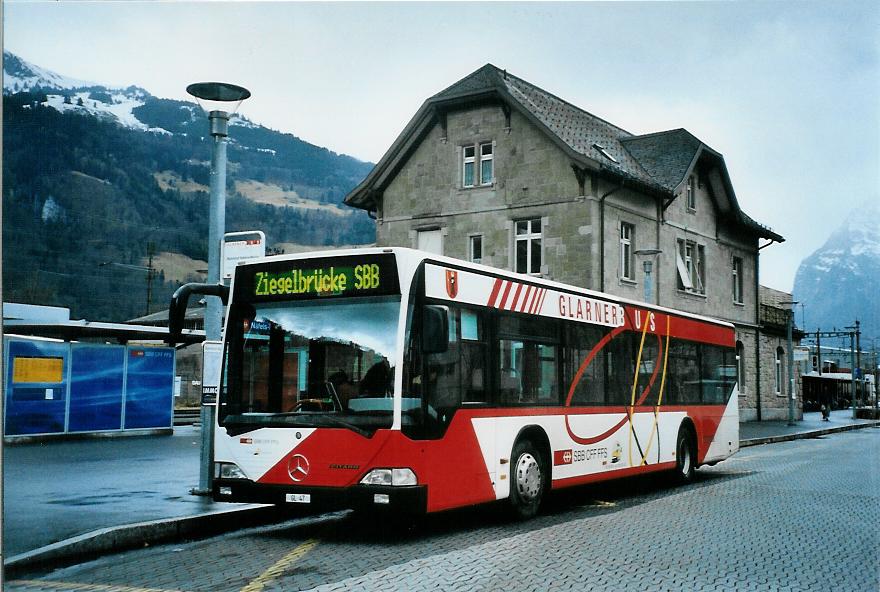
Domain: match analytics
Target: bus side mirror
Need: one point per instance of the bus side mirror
(435, 329)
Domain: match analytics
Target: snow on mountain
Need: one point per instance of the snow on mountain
(120, 109)
(20, 76)
(67, 94)
(839, 281)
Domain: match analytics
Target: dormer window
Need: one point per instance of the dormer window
(604, 152)
(478, 164)
(691, 195)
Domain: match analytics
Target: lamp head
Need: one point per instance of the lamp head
(218, 94)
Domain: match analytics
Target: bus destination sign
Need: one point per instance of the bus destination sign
(317, 278)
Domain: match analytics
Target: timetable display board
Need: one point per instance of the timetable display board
(36, 387)
(325, 277)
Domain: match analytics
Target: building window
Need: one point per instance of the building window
(780, 353)
(527, 246)
(487, 167)
(690, 261)
(627, 234)
(740, 368)
(737, 271)
(472, 166)
(691, 195)
(468, 168)
(475, 249)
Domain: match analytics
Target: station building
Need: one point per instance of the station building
(496, 170)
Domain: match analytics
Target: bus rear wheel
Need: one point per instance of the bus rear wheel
(528, 480)
(685, 456)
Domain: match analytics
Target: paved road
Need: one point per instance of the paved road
(106, 482)
(799, 515)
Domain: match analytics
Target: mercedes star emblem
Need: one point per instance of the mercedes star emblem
(298, 467)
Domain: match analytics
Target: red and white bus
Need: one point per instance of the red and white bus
(397, 378)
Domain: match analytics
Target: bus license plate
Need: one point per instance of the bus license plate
(299, 498)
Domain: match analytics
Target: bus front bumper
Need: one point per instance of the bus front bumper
(411, 498)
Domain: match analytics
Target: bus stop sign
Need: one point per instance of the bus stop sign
(241, 246)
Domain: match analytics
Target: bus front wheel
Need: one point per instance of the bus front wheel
(528, 480)
(685, 456)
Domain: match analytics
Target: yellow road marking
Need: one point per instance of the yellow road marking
(279, 567)
(43, 584)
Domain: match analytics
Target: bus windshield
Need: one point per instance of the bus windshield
(315, 363)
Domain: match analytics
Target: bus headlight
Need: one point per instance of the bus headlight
(228, 471)
(393, 477)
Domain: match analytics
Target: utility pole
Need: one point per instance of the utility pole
(859, 359)
(150, 248)
(852, 363)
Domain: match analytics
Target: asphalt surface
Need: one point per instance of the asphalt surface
(55, 491)
(59, 489)
(795, 516)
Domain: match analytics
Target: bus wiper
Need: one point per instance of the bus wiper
(335, 421)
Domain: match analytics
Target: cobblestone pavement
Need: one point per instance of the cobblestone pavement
(802, 515)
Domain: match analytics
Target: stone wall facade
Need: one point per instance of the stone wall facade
(580, 229)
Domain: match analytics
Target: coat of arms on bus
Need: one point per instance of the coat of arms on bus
(452, 283)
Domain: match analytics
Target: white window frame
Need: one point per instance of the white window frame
(471, 239)
(690, 195)
(486, 158)
(468, 160)
(690, 260)
(476, 163)
(627, 263)
(529, 237)
(737, 276)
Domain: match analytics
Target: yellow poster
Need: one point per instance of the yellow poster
(37, 370)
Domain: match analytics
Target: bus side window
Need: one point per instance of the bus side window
(580, 340)
(683, 373)
(718, 373)
(528, 361)
(459, 374)
(619, 369)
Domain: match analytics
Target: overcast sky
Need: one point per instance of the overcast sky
(788, 92)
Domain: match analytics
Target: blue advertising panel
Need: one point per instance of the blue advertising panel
(149, 389)
(36, 386)
(96, 385)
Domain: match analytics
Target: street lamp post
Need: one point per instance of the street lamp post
(647, 264)
(215, 93)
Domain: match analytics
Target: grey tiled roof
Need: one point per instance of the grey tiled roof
(666, 156)
(656, 162)
(582, 132)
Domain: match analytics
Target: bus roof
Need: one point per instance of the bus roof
(416, 257)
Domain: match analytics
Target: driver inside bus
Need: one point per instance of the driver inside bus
(376, 382)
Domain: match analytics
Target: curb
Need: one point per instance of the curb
(92, 545)
(806, 435)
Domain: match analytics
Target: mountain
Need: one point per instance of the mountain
(99, 179)
(839, 282)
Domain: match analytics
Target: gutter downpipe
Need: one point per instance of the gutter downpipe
(758, 337)
(602, 234)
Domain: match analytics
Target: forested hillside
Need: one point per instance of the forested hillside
(80, 190)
